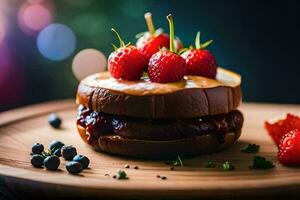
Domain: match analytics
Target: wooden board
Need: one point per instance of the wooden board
(20, 128)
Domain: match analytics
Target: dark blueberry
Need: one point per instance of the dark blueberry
(83, 160)
(37, 160)
(74, 167)
(57, 152)
(37, 148)
(68, 152)
(51, 162)
(54, 120)
(54, 145)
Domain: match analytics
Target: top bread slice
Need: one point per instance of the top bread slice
(194, 96)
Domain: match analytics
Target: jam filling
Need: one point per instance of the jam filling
(97, 124)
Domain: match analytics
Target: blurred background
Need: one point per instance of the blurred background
(41, 39)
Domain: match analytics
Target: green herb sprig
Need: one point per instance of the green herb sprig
(210, 164)
(251, 148)
(260, 162)
(175, 163)
(228, 166)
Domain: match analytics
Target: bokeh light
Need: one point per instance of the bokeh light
(56, 42)
(12, 80)
(91, 24)
(35, 15)
(88, 61)
(36, 1)
(3, 27)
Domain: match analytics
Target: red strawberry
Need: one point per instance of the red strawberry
(153, 40)
(151, 45)
(289, 149)
(126, 62)
(200, 62)
(165, 65)
(279, 128)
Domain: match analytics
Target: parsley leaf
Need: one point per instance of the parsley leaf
(251, 148)
(260, 162)
(210, 164)
(178, 162)
(227, 166)
(121, 175)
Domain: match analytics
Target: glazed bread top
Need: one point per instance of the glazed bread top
(194, 96)
(146, 87)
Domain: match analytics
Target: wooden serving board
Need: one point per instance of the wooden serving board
(20, 128)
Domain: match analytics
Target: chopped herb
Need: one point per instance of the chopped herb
(121, 175)
(127, 166)
(251, 148)
(260, 162)
(178, 162)
(210, 164)
(227, 166)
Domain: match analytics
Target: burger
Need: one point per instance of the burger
(184, 105)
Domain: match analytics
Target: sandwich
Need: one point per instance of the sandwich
(159, 107)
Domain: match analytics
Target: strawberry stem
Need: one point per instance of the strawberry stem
(197, 41)
(198, 44)
(122, 44)
(148, 18)
(171, 26)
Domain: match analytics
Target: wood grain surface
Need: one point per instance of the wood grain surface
(20, 128)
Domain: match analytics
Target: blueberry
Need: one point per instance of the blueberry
(83, 160)
(57, 152)
(68, 152)
(74, 167)
(54, 120)
(37, 148)
(51, 162)
(54, 145)
(37, 160)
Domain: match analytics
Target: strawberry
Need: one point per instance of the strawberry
(126, 62)
(289, 149)
(165, 65)
(199, 61)
(280, 127)
(150, 42)
(149, 45)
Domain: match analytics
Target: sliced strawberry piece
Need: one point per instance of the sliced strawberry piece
(278, 129)
(289, 149)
